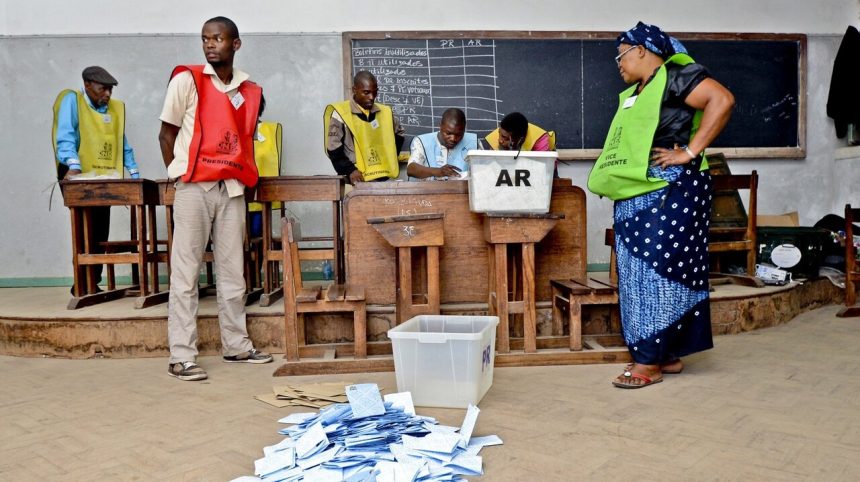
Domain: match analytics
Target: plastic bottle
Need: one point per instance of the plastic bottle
(328, 271)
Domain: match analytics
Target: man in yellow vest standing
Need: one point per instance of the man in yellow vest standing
(208, 121)
(362, 138)
(89, 138)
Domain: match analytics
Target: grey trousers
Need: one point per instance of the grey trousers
(197, 214)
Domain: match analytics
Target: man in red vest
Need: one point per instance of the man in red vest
(207, 127)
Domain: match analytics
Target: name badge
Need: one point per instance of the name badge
(106, 118)
(374, 123)
(237, 100)
(628, 102)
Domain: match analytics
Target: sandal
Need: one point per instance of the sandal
(628, 374)
(662, 368)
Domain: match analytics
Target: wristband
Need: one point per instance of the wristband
(688, 151)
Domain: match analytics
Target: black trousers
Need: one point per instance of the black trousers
(101, 230)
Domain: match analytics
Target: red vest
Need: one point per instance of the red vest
(223, 143)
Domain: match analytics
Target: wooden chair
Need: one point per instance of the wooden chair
(732, 229)
(299, 300)
(852, 269)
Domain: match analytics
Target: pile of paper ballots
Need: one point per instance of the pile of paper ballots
(371, 439)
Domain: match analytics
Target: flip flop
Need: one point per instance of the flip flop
(644, 378)
(665, 372)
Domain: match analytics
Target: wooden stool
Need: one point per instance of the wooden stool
(577, 292)
(501, 230)
(405, 233)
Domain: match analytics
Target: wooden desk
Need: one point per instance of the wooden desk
(82, 195)
(463, 268)
(298, 188)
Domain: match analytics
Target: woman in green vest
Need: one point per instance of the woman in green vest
(653, 167)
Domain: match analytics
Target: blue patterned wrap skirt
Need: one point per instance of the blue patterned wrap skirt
(661, 240)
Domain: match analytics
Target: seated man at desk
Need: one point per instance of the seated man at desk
(516, 133)
(362, 136)
(442, 154)
(89, 128)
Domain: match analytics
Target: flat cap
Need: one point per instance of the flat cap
(98, 74)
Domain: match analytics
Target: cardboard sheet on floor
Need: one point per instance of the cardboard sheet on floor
(312, 395)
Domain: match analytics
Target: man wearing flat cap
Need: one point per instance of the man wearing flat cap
(89, 137)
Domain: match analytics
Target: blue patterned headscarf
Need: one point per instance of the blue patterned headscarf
(652, 38)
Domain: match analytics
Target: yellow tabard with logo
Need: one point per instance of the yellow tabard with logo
(101, 147)
(267, 155)
(375, 147)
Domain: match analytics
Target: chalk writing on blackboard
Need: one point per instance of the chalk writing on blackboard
(420, 79)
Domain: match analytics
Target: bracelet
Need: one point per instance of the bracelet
(688, 151)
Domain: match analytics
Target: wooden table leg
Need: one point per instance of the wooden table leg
(500, 262)
(77, 240)
(89, 243)
(153, 247)
(433, 288)
(404, 284)
(575, 322)
(268, 272)
(528, 290)
(141, 249)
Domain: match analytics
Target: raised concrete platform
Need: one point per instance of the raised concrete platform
(34, 322)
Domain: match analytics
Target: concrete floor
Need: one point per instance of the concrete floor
(774, 404)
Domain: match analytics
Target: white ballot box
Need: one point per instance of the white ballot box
(510, 181)
(445, 361)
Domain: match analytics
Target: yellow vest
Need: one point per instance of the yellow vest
(375, 148)
(101, 147)
(532, 135)
(267, 155)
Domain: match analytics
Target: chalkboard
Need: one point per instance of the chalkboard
(568, 82)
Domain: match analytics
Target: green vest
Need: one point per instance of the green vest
(101, 148)
(621, 171)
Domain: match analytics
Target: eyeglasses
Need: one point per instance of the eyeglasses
(618, 57)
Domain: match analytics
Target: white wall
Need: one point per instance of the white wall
(300, 72)
(49, 17)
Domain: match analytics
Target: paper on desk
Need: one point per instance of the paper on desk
(365, 400)
(402, 400)
(282, 445)
(92, 176)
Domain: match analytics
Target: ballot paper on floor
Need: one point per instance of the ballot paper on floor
(396, 446)
(365, 400)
